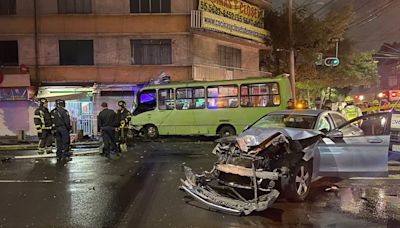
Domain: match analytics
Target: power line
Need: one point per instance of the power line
(318, 10)
(323, 7)
(362, 5)
(377, 12)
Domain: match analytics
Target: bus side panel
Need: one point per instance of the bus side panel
(184, 122)
(155, 118)
(165, 122)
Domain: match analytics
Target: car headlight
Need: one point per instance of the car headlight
(247, 141)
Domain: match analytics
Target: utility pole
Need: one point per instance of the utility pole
(291, 58)
(35, 21)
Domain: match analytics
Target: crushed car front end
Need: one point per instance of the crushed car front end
(249, 169)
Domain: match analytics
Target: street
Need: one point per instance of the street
(141, 190)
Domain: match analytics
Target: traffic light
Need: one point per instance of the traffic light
(331, 61)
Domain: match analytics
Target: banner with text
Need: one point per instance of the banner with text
(221, 24)
(236, 10)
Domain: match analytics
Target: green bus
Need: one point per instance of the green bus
(207, 107)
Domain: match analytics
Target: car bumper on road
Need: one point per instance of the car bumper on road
(214, 200)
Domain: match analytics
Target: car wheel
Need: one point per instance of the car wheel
(226, 131)
(299, 184)
(151, 132)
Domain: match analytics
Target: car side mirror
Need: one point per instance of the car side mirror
(335, 134)
(324, 130)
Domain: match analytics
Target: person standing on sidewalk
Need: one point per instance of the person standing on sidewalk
(123, 118)
(106, 123)
(44, 126)
(63, 127)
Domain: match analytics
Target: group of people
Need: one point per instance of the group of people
(350, 110)
(53, 123)
(114, 129)
(56, 123)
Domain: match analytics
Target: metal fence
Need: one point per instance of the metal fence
(81, 114)
(85, 123)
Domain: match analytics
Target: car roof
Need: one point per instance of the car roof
(304, 112)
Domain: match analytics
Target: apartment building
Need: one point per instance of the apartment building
(89, 51)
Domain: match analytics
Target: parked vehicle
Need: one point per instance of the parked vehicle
(283, 152)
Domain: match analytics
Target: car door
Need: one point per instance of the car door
(356, 148)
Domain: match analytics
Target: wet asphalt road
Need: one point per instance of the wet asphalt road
(141, 190)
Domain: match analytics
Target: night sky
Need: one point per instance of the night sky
(374, 21)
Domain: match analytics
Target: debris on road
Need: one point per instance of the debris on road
(332, 188)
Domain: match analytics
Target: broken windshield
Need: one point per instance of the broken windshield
(286, 120)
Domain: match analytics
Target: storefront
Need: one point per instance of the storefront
(16, 106)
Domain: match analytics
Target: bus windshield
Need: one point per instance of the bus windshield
(147, 101)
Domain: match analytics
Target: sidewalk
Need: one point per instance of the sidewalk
(33, 146)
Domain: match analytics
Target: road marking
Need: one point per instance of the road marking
(390, 177)
(96, 151)
(26, 181)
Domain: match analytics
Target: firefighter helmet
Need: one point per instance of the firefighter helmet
(375, 102)
(348, 99)
(122, 104)
(42, 101)
(60, 102)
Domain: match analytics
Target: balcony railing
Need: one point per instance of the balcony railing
(195, 19)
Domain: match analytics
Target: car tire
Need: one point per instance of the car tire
(151, 132)
(226, 131)
(299, 183)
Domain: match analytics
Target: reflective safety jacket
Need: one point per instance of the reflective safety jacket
(123, 118)
(42, 119)
(351, 112)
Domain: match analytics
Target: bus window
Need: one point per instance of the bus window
(190, 98)
(222, 96)
(147, 101)
(166, 99)
(260, 95)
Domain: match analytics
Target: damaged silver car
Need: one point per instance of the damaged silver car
(282, 153)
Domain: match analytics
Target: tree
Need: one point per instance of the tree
(313, 35)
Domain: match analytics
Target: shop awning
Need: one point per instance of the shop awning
(66, 97)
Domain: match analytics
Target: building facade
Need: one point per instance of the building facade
(104, 48)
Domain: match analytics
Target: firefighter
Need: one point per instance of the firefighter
(106, 122)
(44, 126)
(328, 105)
(123, 118)
(350, 111)
(63, 127)
(375, 106)
(290, 104)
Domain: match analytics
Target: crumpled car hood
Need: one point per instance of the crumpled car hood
(262, 134)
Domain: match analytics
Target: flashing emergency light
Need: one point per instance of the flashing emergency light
(299, 105)
(331, 61)
(394, 94)
(380, 95)
(361, 97)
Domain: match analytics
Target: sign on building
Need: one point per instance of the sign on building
(234, 17)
